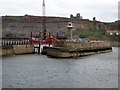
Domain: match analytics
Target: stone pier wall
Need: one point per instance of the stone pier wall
(83, 45)
(66, 49)
(17, 49)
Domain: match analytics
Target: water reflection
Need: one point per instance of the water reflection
(0, 73)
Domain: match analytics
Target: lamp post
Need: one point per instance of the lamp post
(70, 26)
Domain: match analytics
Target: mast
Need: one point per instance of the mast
(44, 19)
(43, 8)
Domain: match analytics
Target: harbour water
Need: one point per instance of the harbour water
(40, 71)
(0, 73)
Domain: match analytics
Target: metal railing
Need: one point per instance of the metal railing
(14, 41)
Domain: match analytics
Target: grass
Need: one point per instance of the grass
(114, 38)
(100, 34)
(89, 32)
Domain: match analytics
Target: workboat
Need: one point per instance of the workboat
(43, 41)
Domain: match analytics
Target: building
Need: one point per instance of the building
(77, 16)
(94, 18)
(112, 32)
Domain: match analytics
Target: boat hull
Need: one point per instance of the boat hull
(42, 42)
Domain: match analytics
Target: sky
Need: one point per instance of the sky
(103, 10)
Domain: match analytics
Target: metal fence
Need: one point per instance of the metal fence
(14, 41)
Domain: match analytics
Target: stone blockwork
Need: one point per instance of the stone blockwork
(65, 49)
(73, 46)
(17, 50)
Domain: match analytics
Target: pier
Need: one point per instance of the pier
(15, 46)
(10, 46)
(66, 49)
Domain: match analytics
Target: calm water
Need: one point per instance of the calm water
(0, 73)
(39, 71)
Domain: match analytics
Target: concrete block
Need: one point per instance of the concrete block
(9, 51)
(30, 49)
(0, 52)
(4, 52)
(20, 49)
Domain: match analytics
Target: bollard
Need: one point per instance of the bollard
(39, 49)
(49, 39)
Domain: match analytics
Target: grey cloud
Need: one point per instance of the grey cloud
(119, 10)
(62, 8)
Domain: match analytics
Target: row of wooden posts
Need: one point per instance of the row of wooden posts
(15, 41)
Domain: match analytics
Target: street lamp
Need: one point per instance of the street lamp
(70, 26)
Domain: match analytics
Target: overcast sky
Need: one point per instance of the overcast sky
(103, 10)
